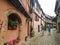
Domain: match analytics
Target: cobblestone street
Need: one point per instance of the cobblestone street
(53, 39)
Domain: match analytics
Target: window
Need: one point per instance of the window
(38, 28)
(13, 20)
(36, 18)
(42, 16)
(31, 5)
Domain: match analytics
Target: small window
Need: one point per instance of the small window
(38, 28)
(36, 18)
(42, 16)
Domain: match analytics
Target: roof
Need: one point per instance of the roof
(18, 5)
(38, 5)
(49, 17)
(57, 6)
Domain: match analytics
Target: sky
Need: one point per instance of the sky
(48, 6)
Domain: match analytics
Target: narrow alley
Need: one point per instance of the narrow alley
(27, 22)
(53, 39)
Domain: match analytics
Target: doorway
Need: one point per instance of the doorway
(38, 28)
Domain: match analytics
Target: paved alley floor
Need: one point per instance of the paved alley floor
(53, 39)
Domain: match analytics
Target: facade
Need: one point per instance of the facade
(13, 21)
(43, 18)
(38, 21)
(49, 19)
(57, 11)
(19, 19)
(36, 17)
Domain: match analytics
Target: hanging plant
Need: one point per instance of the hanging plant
(28, 19)
(12, 24)
(5, 43)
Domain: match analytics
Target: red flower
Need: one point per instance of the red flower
(17, 40)
(10, 43)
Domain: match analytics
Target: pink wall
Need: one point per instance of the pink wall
(10, 35)
(25, 4)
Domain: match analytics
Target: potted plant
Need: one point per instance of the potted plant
(31, 32)
(5, 43)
